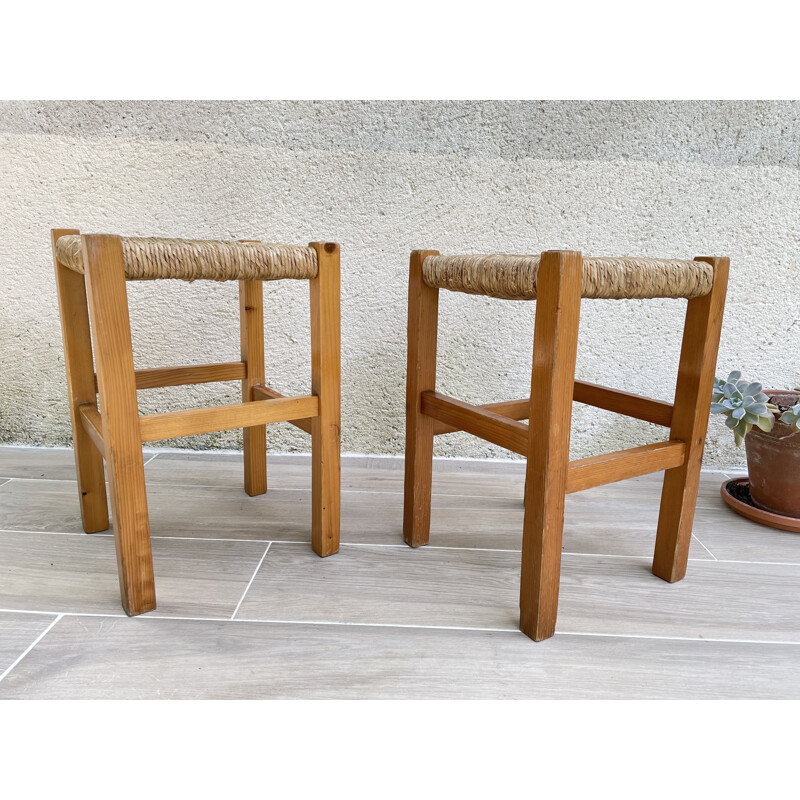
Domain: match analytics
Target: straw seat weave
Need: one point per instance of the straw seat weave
(201, 259)
(513, 277)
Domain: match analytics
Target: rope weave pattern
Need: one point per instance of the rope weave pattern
(514, 277)
(201, 259)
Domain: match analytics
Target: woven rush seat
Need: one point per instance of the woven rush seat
(513, 277)
(148, 259)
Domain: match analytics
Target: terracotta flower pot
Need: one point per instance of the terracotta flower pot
(773, 462)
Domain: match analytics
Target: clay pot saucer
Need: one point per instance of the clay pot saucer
(736, 493)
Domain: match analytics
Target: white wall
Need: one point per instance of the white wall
(656, 179)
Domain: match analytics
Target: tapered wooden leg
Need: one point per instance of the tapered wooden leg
(111, 334)
(80, 389)
(689, 422)
(423, 321)
(251, 319)
(558, 298)
(326, 384)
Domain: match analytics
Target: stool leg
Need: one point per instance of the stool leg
(423, 321)
(111, 334)
(326, 384)
(689, 422)
(554, 350)
(251, 325)
(80, 390)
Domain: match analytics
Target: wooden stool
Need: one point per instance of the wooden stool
(557, 280)
(94, 269)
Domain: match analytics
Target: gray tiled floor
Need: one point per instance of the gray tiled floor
(245, 609)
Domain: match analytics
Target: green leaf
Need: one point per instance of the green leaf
(753, 389)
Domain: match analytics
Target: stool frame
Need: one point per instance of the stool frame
(550, 475)
(96, 332)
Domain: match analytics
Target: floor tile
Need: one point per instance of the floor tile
(359, 473)
(593, 525)
(62, 573)
(730, 536)
(17, 632)
(48, 463)
(472, 588)
(37, 462)
(139, 658)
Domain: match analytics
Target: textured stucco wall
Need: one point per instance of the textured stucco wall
(659, 179)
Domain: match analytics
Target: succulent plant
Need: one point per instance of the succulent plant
(743, 404)
(792, 417)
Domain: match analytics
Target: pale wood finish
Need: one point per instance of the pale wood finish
(111, 334)
(172, 424)
(423, 322)
(80, 389)
(554, 352)
(479, 509)
(586, 473)
(631, 405)
(265, 393)
(325, 385)
(93, 424)
(477, 420)
(251, 326)
(698, 360)
(95, 658)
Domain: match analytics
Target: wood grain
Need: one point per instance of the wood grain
(157, 377)
(631, 405)
(172, 424)
(554, 352)
(586, 473)
(423, 323)
(93, 424)
(477, 420)
(698, 361)
(111, 333)
(513, 409)
(80, 389)
(265, 393)
(326, 368)
(251, 328)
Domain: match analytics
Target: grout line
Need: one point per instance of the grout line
(32, 645)
(514, 631)
(250, 582)
(63, 613)
(763, 563)
(57, 533)
(704, 548)
(402, 545)
(679, 638)
(346, 624)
